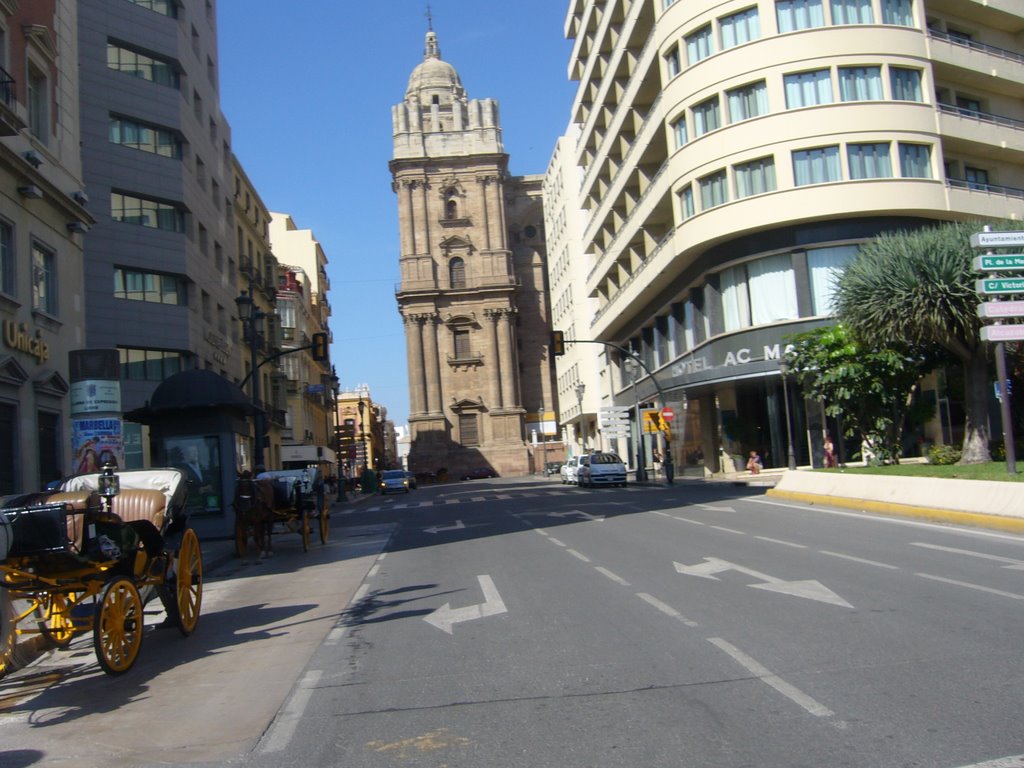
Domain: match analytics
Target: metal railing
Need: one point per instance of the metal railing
(973, 45)
(983, 117)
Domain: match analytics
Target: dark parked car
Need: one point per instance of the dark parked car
(478, 473)
(553, 468)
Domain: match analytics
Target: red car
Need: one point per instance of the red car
(479, 473)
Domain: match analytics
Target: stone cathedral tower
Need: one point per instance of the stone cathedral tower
(473, 295)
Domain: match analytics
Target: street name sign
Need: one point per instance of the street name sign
(1000, 285)
(997, 239)
(990, 309)
(1002, 333)
(1007, 261)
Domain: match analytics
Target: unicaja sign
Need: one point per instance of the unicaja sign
(17, 337)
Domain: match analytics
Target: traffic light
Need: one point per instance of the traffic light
(319, 347)
(557, 343)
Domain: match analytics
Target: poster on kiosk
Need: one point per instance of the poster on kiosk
(96, 424)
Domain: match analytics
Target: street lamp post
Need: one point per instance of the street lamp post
(250, 315)
(580, 388)
(362, 433)
(335, 388)
(543, 442)
(641, 470)
(784, 370)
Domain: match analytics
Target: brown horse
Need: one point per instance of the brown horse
(254, 511)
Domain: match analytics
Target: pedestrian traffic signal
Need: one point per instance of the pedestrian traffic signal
(319, 347)
(557, 343)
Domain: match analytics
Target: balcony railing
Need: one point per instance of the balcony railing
(984, 117)
(995, 189)
(976, 46)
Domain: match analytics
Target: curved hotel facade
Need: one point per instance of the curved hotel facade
(733, 157)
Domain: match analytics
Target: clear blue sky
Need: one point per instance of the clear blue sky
(307, 87)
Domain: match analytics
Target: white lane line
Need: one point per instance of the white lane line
(662, 514)
(713, 508)
(1015, 761)
(668, 610)
(859, 560)
(578, 555)
(373, 570)
(503, 496)
(614, 577)
(283, 728)
(541, 531)
(335, 636)
(559, 542)
(727, 530)
(764, 674)
(782, 542)
(688, 520)
(381, 556)
(1010, 561)
(360, 593)
(968, 585)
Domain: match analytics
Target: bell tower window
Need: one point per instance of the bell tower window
(457, 273)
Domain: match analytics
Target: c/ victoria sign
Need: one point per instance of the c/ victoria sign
(17, 337)
(1002, 333)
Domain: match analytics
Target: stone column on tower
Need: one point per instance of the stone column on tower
(432, 362)
(417, 371)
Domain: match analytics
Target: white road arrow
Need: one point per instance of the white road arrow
(808, 588)
(459, 525)
(445, 617)
(577, 513)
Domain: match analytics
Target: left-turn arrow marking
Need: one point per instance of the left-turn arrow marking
(446, 617)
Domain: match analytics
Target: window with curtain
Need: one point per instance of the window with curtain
(689, 324)
(732, 283)
(824, 266)
(906, 84)
(44, 279)
(713, 190)
(698, 45)
(869, 161)
(816, 166)
(686, 209)
(747, 101)
(755, 177)
(739, 28)
(457, 273)
(852, 12)
(860, 84)
(915, 161)
(806, 89)
(706, 117)
(679, 131)
(792, 15)
(672, 62)
(772, 289)
(897, 12)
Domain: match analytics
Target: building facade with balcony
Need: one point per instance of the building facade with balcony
(43, 219)
(736, 154)
(473, 293)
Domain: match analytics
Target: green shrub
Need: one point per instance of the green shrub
(944, 454)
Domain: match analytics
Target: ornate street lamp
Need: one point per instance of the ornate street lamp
(784, 370)
(580, 388)
(634, 373)
(336, 388)
(543, 442)
(362, 432)
(250, 315)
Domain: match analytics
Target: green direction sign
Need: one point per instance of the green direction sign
(1000, 285)
(1007, 261)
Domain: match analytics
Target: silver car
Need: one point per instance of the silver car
(394, 481)
(602, 469)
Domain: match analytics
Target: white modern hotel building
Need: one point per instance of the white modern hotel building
(732, 155)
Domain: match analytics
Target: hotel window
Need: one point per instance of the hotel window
(706, 117)
(869, 161)
(148, 286)
(672, 62)
(739, 28)
(860, 84)
(38, 102)
(146, 213)
(915, 161)
(897, 12)
(686, 209)
(141, 65)
(755, 177)
(698, 45)
(825, 265)
(807, 89)
(816, 166)
(149, 364)
(6, 258)
(852, 12)
(906, 84)
(747, 102)
(772, 289)
(793, 15)
(732, 283)
(148, 138)
(976, 178)
(44, 279)
(468, 429)
(164, 7)
(679, 131)
(713, 190)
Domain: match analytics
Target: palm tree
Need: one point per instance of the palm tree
(917, 287)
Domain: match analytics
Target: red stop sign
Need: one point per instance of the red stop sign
(667, 414)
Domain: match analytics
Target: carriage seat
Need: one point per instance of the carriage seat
(75, 501)
(141, 504)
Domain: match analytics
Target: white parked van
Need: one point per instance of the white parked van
(571, 469)
(601, 469)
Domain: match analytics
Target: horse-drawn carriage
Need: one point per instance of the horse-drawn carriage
(92, 554)
(279, 501)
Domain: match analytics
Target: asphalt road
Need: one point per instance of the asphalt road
(524, 623)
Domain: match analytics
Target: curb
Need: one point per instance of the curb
(976, 519)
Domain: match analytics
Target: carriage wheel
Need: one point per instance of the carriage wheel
(189, 582)
(304, 528)
(325, 525)
(54, 618)
(117, 634)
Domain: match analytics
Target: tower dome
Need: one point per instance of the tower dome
(434, 77)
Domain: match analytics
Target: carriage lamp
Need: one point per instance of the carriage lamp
(109, 484)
